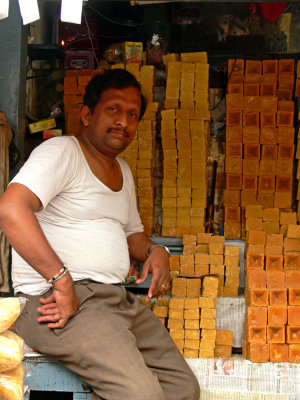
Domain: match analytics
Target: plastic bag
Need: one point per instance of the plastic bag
(11, 384)
(10, 353)
(10, 308)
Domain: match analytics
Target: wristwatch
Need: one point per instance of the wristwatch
(157, 245)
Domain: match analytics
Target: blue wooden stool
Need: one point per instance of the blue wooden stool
(43, 374)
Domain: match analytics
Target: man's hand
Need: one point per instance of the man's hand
(61, 305)
(157, 264)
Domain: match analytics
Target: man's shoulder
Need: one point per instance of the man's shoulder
(59, 144)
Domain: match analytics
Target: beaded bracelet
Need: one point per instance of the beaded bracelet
(62, 272)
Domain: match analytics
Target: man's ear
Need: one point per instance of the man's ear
(86, 115)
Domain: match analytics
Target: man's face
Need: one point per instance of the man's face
(112, 126)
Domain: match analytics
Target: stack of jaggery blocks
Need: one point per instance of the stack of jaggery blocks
(161, 309)
(191, 320)
(75, 82)
(269, 220)
(297, 87)
(259, 138)
(206, 254)
(184, 133)
(140, 154)
(272, 293)
(297, 95)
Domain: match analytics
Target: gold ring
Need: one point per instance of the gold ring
(164, 286)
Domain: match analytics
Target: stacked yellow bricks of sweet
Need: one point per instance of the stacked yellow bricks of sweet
(259, 139)
(272, 292)
(297, 95)
(206, 254)
(140, 154)
(184, 132)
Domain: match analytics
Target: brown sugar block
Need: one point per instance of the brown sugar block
(208, 313)
(175, 323)
(176, 313)
(288, 218)
(250, 167)
(231, 251)
(257, 316)
(216, 259)
(216, 269)
(294, 353)
(254, 261)
(193, 292)
(193, 334)
(292, 279)
(294, 297)
(179, 282)
(189, 240)
(202, 248)
(254, 248)
(293, 334)
(206, 353)
(206, 323)
(251, 89)
(178, 291)
(271, 250)
(267, 119)
(285, 118)
(284, 167)
(174, 263)
(271, 226)
(187, 249)
(256, 279)
(224, 337)
(275, 279)
(294, 315)
(230, 291)
(274, 239)
(210, 292)
(284, 183)
(209, 334)
(176, 333)
(254, 224)
(210, 281)
(232, 281)
(217, 239)
(269, 151)
(234, 134)
(274, 263)
(187, 259)
(293, 232)
(249, 183)
(232, 261)
(216, 248)
(257, 237)
(232, 230)
(201, 269)
(203, 238)
(207, 302)
(188, 270)
(250, 119)
(257, 334)
(286, 151)
(234, 150)
(286, 134)
(160, 311)
(191, 303)
(282, 200)
(190, 353)
(292, 261)
(277, 316)
(191, 314)
(179, 343)
(201, 258)
(266, 184)
(291, 245)
(207, 344)
(267, 168)
(233, 271)
(257, 297)
(250, 134)
(191, 324)
(234, 118)
(278, 297)
(258, 352)
(270, 214)
(254, 211)
(191, 344)
(194, 283)
(279, 352)
(275, 334)
(251, 150)
(231, 198)
(176, 303)
(223, 351)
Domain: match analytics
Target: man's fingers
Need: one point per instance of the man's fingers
(59, 324)
(47, 300)
(144, 274)
(49, 318)
(48, 311)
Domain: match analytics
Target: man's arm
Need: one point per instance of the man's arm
(17, 207)
(157, 263)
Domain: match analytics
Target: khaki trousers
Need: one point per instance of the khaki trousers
(115, 344)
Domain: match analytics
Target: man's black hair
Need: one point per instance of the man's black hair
(113, 78)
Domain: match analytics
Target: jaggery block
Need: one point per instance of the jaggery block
(279, 352)
(201, 269)
(179, 343)
(254, 261)
(258, 297)
(174, 263)
(210, 292)
(191, 314)
(294, 297)
(179, 282)
(208, 313)
(176, 333)
(207, 343)
(201, 258)
(224, 337)
(278, 297)
(230, 291)
(232, 261)
(191, 303)
(193, 292)
(207, 302)
(275, 334)
(266, 199)
(277, 316)
(189, 240)
(216, 259)
(210, 281)
(233, 271)
(275, 279)
(250, 167)
(176, 313)
(293, 232)
(256, 279)
(271, 214)
(215, 248)
(257, 316)
(191, 324)
(232, 230)
(190, 353)
(191, 344)
(223, 351)
(256, 237)
(176, 303)
(231, 198)
(159, 311)
(274, 263)
(288, 218)
(175, 323)
(282, 200)
(254, 211)
(267, 168)
(178, 291)
(293, 334)
(207, 323)
(257, 334)
(254, 248)
(216, 270)
(258, 352)
(231, 251)
(194, 283)
(250, 135)
(294, 353)
(193, 334)
(292, 261)
(209, 334)
(292, 279)
(206, 353)
(291, 244)
(271, 250)
(294, 315)
(202, 249)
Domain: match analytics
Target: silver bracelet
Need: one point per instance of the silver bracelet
(61, 273)
(156, 245)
